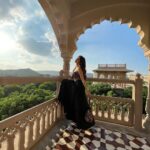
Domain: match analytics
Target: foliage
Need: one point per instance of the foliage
(99, 89)
(107, 90)
(127, 92)
(111, 93)
(2, 93)
(8, 89)
(17, 98)
(48, 86)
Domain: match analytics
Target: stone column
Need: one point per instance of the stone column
(66, 55)
(137, 96)
(66, 66)
(146, 123)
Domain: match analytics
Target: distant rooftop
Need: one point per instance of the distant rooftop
(112, 67)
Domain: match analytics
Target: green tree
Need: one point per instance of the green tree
(8, 89)
(48, 86)
(127, 92)
(29, 88)
(2, 93)
(99, 89)
(111, 93)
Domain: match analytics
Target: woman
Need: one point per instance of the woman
(72, 96)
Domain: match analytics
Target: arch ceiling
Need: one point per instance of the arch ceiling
(70, 18)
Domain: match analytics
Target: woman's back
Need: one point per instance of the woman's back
(75, 75)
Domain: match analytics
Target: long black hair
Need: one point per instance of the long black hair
(82, 64)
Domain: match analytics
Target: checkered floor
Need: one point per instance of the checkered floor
(96, 138)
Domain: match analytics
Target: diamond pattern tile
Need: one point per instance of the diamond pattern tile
(96, 138)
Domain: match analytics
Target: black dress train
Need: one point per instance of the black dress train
(76, 108)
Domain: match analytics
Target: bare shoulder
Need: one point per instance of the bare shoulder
(79, 69)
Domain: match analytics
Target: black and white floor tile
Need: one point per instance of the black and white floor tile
(96, 138)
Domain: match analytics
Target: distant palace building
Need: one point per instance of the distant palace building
(111, 71)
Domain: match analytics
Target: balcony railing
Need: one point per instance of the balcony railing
(112, 66)
(24, 130)
(113, 109)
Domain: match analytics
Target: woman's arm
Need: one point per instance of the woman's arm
(84, 82)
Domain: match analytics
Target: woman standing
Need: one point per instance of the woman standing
(72, 96)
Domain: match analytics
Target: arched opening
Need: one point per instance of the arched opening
(111, 43)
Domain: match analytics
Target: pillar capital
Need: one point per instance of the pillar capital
(66, 55)
(66, 59)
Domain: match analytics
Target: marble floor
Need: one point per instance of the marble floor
(96, 138)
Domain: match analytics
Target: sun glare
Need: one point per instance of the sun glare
(6, 42)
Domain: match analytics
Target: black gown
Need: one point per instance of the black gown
(72, 96)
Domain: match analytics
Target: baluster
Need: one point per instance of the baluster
(30, 134)
(37, 128)
(42, 123)
(96, 111)
(55, 108)
(131, 115)
(115, 115)
(10, 141)
(21, 139)
(58, 111)
(52, 115)
(102, 109)
(109, 108)
(48, 118)
(122, 113)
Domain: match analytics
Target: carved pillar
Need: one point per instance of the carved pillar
(66, 62)
(137, 96)
(146, 123)
(66, 66)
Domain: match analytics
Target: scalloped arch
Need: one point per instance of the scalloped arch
(138, 28)
(96, 16)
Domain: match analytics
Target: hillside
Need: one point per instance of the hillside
(56, 73)
(19, 73)
(30, 73)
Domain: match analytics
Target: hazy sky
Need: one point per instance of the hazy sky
(28, 41)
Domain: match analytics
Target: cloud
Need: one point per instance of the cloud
(28, 27)
(36, 47)
(55, 48)
(38, 62)
(12, 11)
(34, 27)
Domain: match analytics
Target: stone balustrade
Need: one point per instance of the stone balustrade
(113, 109)
(112, 81)
(111, 66)
(23, 130)
(136, 103)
